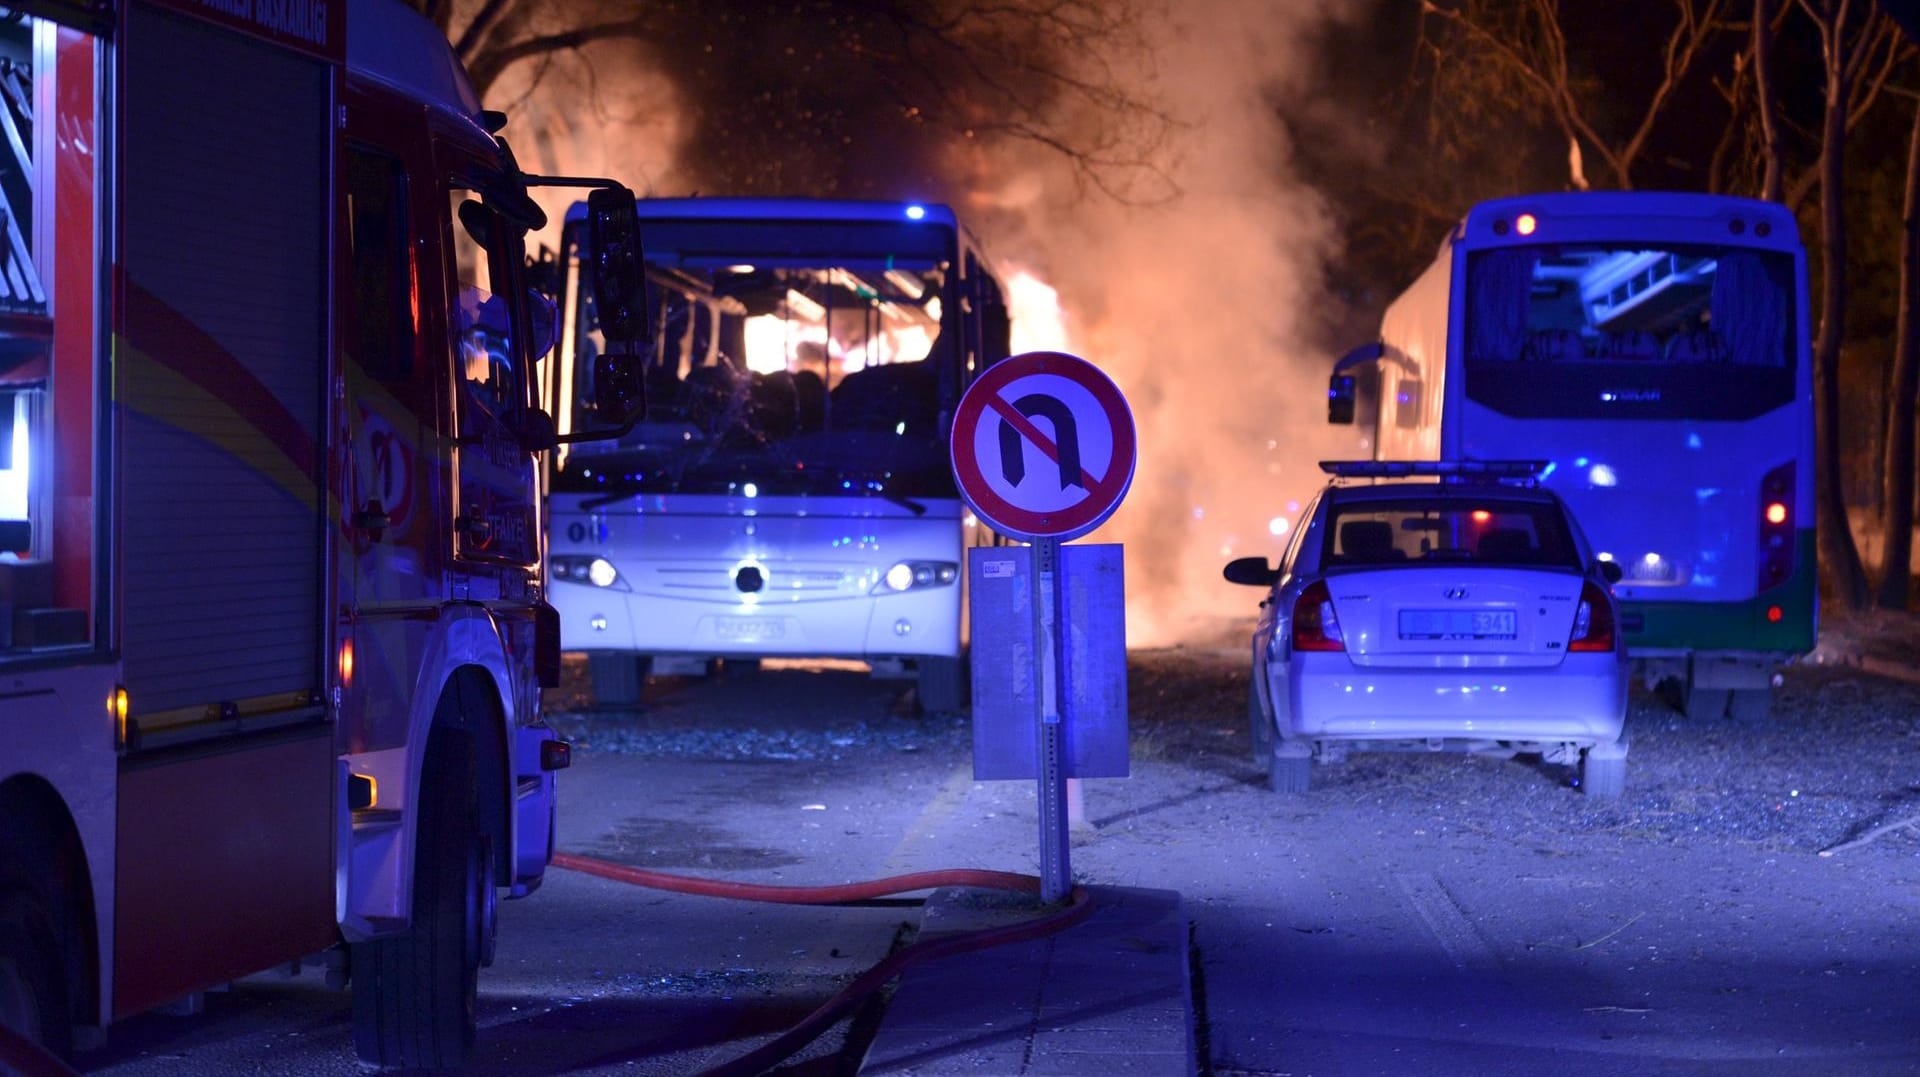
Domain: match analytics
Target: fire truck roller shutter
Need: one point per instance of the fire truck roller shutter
(223, 855)
(222, 368)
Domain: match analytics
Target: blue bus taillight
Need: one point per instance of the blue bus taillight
(1776, 526)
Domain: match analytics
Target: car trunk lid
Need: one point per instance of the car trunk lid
(1475, 616)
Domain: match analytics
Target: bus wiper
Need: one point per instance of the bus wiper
(907, 503)
(604, 500)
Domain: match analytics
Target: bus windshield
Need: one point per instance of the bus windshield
(778, 367)
(1630, 331)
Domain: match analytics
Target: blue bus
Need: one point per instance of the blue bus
(787, 492)
(1654, 347)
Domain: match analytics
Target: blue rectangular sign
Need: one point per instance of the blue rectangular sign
(1092, 675)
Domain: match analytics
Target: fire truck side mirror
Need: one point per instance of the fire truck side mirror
(534, 429)
(617, 266)
(1340, 399)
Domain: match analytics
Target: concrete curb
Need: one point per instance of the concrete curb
(1110, 996)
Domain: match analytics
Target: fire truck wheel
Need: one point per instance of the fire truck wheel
(32, 987)
(414, 995)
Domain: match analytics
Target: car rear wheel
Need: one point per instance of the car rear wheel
(1259, 728)
(618, 677)
(1289, 771)
(1603, 775)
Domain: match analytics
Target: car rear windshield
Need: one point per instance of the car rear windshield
(1426, 530)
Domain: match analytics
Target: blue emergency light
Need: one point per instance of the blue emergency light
(1452, 470)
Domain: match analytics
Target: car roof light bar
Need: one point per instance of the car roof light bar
(1446, 469)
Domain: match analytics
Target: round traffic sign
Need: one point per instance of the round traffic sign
(1043, 446)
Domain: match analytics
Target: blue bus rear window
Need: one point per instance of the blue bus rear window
(1598, 331)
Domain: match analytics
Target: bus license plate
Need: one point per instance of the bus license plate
(748, 628)
(1458, 624)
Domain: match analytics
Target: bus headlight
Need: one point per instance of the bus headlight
(899, 577)
(916, 575)
(586, 568)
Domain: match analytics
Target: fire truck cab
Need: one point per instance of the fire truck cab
(272, 633)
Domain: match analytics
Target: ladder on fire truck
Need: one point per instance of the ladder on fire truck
(20, 288)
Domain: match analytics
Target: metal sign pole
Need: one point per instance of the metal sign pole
(1056, 873)
(1016, 474)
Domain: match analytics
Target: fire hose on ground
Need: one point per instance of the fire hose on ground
(810, 1027)
(24, 1057)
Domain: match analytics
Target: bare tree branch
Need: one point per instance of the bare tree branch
(488, 66)
(1765, 28)
(477, 29)
(1537, 52)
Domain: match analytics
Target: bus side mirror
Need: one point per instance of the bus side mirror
(616, 275)
(617, 265)
(996, 334)
(619, 387)
(1340, 399)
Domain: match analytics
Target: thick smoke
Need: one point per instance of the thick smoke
(604, 111)
(1206, 307)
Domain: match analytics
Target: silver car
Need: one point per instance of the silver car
(1437, 606)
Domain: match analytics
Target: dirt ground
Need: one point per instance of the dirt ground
(1384, 921)
(1840, 756)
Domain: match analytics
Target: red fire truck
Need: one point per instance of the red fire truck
(272, 636)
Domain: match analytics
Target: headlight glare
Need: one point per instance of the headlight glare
(900, 577)
(586, 569)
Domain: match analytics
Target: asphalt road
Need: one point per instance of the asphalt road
(1414, 915)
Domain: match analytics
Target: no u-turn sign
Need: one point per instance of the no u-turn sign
(1043, 446)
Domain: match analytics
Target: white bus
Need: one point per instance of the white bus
(788, 492)
(1654, 348)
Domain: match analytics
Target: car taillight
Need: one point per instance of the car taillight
(1315, 628)
(1776, 526)
(1593, 621)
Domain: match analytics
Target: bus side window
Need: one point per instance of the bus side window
(1406, 403)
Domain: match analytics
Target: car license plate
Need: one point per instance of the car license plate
(1458, 624)
(747, 628)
